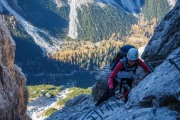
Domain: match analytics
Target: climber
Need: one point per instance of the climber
(125, 69)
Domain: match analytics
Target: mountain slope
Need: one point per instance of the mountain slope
(40, 37)
(90, 20)
(157, 8)
(131, 6)
(102, 24)
(38, 13)
(76, 14)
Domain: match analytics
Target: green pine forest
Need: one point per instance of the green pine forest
(155, 8)
(96, 23)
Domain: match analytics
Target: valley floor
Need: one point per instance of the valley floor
(36, 109)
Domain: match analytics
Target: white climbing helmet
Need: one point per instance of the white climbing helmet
(132, 54)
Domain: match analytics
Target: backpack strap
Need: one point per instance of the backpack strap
(125, 67)
(124, 63)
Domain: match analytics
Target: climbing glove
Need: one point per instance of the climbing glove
(111, 92)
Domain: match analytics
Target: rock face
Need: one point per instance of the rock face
(166, 37)
(13, 91)
(160, 88)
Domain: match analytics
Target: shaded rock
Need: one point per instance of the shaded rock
(101, 83)
(166, 37)
(13, 90)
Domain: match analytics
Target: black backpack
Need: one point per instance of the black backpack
(120, 55)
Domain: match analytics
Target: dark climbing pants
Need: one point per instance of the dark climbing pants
(106, 96)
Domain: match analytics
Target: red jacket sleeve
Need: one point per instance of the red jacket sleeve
(143, 65)
(118, 67)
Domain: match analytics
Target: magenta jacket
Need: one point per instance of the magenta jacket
(119, 67)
